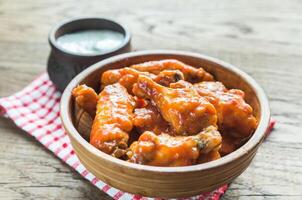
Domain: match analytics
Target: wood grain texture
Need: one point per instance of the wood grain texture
(261, 37)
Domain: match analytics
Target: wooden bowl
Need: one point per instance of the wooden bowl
(168, 182)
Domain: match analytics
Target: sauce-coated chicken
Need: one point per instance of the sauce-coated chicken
(190, 73)
(148, 118)
(235, 116)
(113, 120)
(166, 150)
(127, 77)
(186, 111)
(86, 98)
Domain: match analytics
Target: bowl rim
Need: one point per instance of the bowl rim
(53, 41)
(256, 138)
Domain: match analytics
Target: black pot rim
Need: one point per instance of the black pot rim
(53, 43)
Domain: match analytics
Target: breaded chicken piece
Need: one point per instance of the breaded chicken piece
(190, 73)
(148, 118)
(127, 77)
(113, 120)
(235, 116)
(166, 150)
(86, 98)
(183, 108)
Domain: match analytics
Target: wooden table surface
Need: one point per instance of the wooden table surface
(264, 38)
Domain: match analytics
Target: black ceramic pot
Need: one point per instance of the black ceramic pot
(63, 65)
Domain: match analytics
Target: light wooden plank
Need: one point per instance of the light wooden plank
(262, 37)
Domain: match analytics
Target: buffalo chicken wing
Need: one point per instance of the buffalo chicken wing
(235, 116)
(148, 118)
(127, 77)
(190, 73)
(113, 120)
(166, 150)
(183, 108)
(86, 98)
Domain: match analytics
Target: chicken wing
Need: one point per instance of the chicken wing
(127, 77)
(186, 111)
(148, 118)
(191, 74)
(86, 98)
(166, 150)
(235, 116)
(113, 120)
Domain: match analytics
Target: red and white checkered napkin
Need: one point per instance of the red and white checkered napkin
(35, 109)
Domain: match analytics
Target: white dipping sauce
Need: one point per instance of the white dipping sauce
(90, 41)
